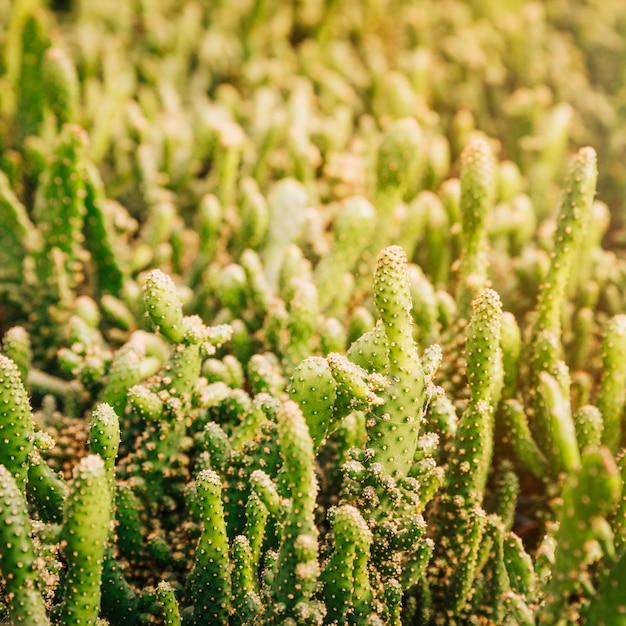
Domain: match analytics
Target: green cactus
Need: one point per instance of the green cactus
(296, 569)
(394, 433)
(60, 84)
(477, 191)
(25, 601)
(84, 534)
(210, 580)
(16, 422)
(164, 306)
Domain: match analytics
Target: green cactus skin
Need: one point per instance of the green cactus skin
(256, 521)
(511, 346)
(400, 163)
(47, 488)
(20, 236)
(506, 491)
(462, 578)
(477, 192)
(580, 525)
(120, 602)
(471, 455)
(84, 534)
(565, 454)
(59, 210)
(104, 440)
(145, 403)
(493, 575)
(245, 600)
(612, 392)
(394, 435)
(518, 610)
(25, 602)
(294, 579)
(169, 605)
(123, 373)
(303, 311)
(210, 582)
(589, 427)
(619, 522)
(17, 347)
(355, 389)
(265, 489)
(518, 436)
(16, 422)
(100, 240)
(31, 100)
(217, 444)
(182, 370)
(353, 228)
(572, 219)
(313, 387)
(164, 306)
(129, 538)
(60, 84)
(287, 203)
(370, 351)
(337, 576)
(425, 306)
(519, 566)
(608, 607)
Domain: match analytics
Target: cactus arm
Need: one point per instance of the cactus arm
(471, 455)
(314, 389)
(84, 534)
(477, 191)
(60, 84)
(572, 221)
(169, 605)
(104, 440)
(612, 391)
(16, 422)
(25, 602)
(394, 436)
(164, 306)
(210, 580)
(294, 579)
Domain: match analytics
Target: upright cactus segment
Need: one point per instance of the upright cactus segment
(25, 602)
(353, 228)
(612, 392)
(544, 351)
(297, 566)
(104, 440)
(346, 590)
(477, 194)
(85, 532)
(60, 84)
(30, 98)
(394, 429)
(210, 582)
(572, 219)
(16, 345)
(20, 236)
(169, 606)
(59, 206)
(314, 389)
(400, 163)
(164, 305)
(16, 422)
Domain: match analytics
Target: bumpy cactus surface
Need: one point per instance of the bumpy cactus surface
(312, 314)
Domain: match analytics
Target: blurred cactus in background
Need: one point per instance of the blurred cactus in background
(312, 313)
